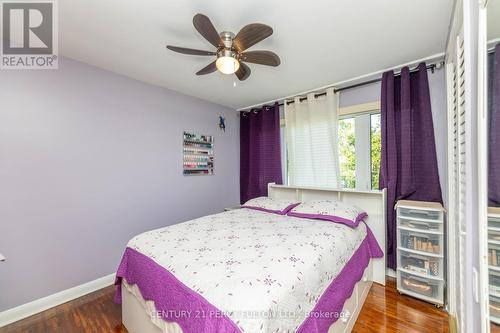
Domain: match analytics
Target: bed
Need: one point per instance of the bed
(251, 271)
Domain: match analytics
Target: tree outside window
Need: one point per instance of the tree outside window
(375, 150)
(347, 149)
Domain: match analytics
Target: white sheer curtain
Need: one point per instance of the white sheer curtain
(311, 130)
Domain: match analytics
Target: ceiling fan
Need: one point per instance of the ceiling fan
(230, 53)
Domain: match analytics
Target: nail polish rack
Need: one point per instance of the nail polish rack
(198, 154)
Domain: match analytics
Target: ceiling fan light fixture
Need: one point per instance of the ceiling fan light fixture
(227, 62)
(227, 65)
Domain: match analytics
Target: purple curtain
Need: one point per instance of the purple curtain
(408, 166)
(494, 128)
(260, 153)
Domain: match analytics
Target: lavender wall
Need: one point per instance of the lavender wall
(88, 159)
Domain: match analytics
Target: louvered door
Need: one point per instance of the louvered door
(457, 177)
(461, 172)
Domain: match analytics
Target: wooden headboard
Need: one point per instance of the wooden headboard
(373, 202)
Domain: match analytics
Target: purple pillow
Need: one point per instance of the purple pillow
(330, 210)
(269, 205)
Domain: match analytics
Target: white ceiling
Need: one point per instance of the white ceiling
(319, 42)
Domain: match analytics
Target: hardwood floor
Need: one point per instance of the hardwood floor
(92, 313)
(385, 310)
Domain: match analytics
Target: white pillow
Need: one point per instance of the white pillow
(269, 205)
(330, 210)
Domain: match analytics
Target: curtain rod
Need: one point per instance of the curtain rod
(430, 59)
(492, 43)
(430, 67)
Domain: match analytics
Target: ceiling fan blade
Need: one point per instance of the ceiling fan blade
(250, 35)
(210, 68)
(185, 50)
(207, 29)
(243, 72)
(267, 58)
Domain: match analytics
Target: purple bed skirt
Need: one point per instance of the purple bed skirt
(172, 297)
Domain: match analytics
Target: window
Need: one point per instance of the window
(359, 149)
(347, 151)
(375, 148)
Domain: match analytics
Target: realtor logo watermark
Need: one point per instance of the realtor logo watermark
(29, 34)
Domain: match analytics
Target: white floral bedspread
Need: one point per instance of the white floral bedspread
(249, 263)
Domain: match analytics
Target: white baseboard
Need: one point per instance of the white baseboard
(390, 272)
(42, 304)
